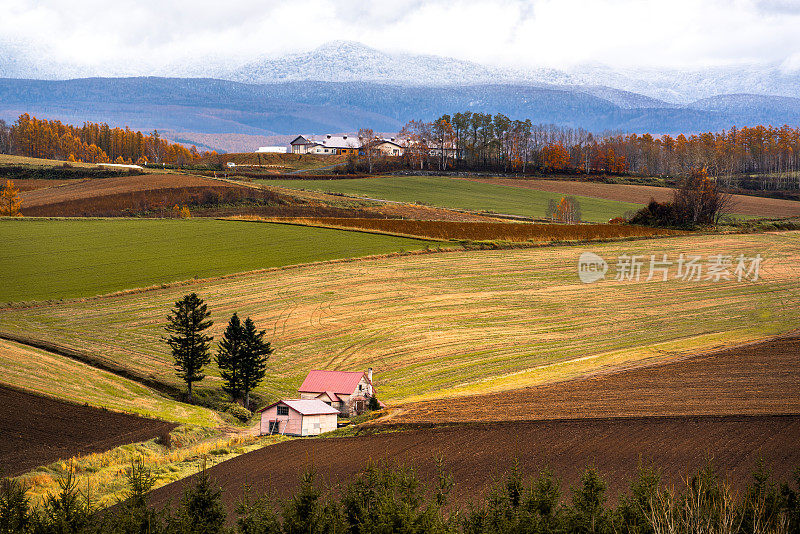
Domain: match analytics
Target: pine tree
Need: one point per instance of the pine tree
(229, 357)
(202, 508)
(255, 352)
(190, 347)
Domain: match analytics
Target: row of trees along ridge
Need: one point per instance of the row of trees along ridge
(478, 141)
(92, 142)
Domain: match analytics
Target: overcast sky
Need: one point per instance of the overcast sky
(555, 33)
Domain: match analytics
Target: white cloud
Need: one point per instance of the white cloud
(556, 33)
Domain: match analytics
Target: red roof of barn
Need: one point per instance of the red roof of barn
(335, 381)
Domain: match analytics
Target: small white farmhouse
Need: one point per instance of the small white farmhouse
(298, 417)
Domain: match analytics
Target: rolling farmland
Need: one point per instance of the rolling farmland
(453, 323)
(479, 454)
(641, 194)
(115, 185)
(57, 376)
(753, 379)
(458, 194)
(482, 231)
(58, 259)
(38, 430)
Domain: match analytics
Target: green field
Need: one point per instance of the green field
(459, 194)
(453, 322)
(59, 259)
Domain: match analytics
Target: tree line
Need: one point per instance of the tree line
(479, 141)
(92, 143)
(384, 499)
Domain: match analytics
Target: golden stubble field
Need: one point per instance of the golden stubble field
(451, 323)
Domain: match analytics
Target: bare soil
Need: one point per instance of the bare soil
(641, 194)
(477, 454)
(102, 187)
(732, 407)
(36, 430)
(754, 379)
(32, 184)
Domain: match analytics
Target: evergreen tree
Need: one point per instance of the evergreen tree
(134, 514)
(254, 355)
(190, 347)
(15, 514)
(202, 511)
(229, 357)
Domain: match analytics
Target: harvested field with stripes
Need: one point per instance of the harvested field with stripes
(451, 323)
(754, 379)
(101, 187)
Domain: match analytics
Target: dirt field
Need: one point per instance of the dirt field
(641, 194)
(477, 453)
(113, 186)
(755, 379)
(38, 430)
(32, 184)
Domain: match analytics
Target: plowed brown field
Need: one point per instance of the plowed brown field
(31, 184)
(733, 407)
(478, 453)
(37, 430)
(754, 379)
(641, 194)
(102, 187)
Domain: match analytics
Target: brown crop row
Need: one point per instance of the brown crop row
(484, 231)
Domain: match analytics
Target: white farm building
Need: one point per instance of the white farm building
(298, 417)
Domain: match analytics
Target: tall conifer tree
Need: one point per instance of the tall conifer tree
(255, 353)
(190, 347)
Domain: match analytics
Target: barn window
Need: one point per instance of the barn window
(361, 387)
(283, 410)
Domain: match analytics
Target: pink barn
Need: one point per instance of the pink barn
(298, 417)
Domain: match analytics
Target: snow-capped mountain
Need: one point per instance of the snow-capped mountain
(347, 61)
(685, 86)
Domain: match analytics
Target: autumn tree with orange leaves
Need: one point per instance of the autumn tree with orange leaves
(10, 203)
(567, 210)
(93, 143)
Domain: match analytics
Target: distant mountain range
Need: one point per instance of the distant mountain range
(342, 86)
